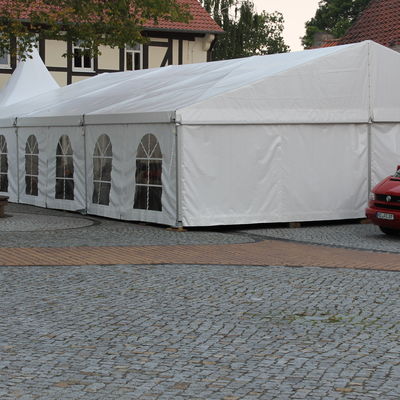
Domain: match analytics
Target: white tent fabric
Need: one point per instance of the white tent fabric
(177, 88)
(279, 138)
(30, 78)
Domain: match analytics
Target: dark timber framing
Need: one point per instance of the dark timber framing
(153, 40)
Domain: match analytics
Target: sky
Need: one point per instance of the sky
(295, 12)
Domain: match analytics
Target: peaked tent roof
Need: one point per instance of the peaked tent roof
(161, 89)
(379, 22)
(30, 78)
(322, 85)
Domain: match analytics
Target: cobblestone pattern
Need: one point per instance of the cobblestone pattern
(74, 229)
(198, 332)
(356, 236)
(22, 222)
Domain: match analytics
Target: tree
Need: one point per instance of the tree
(247, 33)
(334, 17)
(90, 23)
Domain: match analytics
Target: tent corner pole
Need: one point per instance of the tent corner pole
(83, 124)
(369, 157)
(178, 173)
(17, 143)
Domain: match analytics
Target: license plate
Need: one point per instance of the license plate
(382, 215)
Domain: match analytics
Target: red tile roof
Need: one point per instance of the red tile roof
(330, 43)
(201, 22)
(379, 22)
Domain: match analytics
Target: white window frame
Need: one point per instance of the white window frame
(138, 49)
(6, 65)
(83, 68)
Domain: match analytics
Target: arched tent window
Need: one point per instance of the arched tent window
(31, 166)
(3, 165)
(64, 170)
(102, 166)
(148, 174)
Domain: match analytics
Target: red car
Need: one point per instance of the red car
(384, 204)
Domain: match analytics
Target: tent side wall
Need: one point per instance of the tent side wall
(67, 164)
(242, 174)
(385, 112)
(51, 166)
(385, 150)
(8, 163)
(124, 146)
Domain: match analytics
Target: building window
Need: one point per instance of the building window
(148, 174)
(134, 58)
(5, 61)
(64, 170)
(3, 165)
(82, 59)
(31, 166)
(102, 166)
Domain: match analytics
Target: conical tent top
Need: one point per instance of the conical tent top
(29, 79)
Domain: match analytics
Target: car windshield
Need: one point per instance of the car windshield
(397, 174)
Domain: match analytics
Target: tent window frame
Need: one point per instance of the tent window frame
(3, 164)
(64, 185)
(148, 175)
(102, 169)
(32, 166)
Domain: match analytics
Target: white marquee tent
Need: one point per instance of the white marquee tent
(288, 137)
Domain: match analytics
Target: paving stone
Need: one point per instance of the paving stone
(206, 332)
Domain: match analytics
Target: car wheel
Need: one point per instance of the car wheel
(389, 231)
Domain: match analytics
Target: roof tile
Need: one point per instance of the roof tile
(379, 22)
(201, 22)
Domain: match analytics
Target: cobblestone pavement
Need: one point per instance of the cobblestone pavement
(356, 236)
(66, 229)
(198, 332)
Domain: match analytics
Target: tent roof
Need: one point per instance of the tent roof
(320, 85)
(29, 79)
(160, 89)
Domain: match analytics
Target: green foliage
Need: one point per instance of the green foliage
(334, 17)
(247, 33)
(89, 22)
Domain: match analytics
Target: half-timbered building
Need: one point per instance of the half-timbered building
(168, 43)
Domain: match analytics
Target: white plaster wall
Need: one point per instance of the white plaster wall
(109, 58)
(175, 55)
(79, 78)
(196, 52)
(156, 56)
(53, 53)
(60, 77)
(4, 79)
